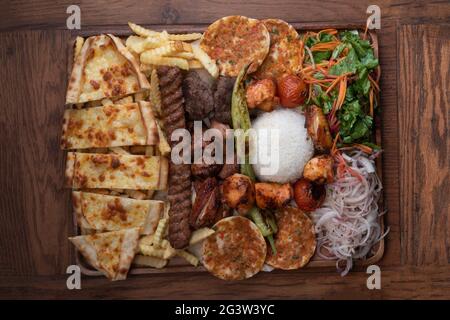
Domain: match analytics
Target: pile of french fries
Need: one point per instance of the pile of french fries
(161, 48)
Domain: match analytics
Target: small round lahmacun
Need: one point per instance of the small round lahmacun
(236, 251)
(295, 240)
(235, 41)
(285, 51)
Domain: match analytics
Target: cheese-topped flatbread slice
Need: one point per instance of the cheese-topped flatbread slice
(101, 212)
(109, 126)
(110, 253)
(116, 171)
(104, 68)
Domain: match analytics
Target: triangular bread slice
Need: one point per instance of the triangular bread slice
(101, 212)
(104, 68)
(111, 252)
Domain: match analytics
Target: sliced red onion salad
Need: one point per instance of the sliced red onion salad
(347, 223)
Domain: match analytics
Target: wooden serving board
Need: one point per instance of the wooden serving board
(177, 264)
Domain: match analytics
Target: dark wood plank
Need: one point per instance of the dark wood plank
(33, 207)
(396, 282)
(52, 13)
(424, 105)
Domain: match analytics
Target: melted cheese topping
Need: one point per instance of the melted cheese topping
(110, 213)
(106, 73)
(117, 171)
(107, 126)
(108, 247)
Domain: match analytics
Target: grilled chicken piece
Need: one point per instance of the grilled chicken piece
(319, 169)
(261, 94)
(272, 195)
(318, 130)
(238, 192)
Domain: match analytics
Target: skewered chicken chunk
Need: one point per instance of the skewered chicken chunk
(239, 193)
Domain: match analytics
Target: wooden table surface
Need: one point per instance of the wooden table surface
(35, 218)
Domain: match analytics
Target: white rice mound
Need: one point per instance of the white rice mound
(289, 155)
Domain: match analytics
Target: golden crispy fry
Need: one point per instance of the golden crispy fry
(164, 61)
(155, 94)
(184, 55)
(185, 37)
(79, 41)
(195, 64)
(205, 60)
(141, 31)
(147, 261)
(146, 240)
(163, 145)
(139, 44)
(188, 257)
(199, 235)
(160, 231)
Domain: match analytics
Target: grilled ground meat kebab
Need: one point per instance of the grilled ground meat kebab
(179, 193)
(198, 95)
(222, 99)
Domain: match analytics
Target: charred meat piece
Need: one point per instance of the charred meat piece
(308, 195)
(318, 130)
(179, 174)
(319, 169)
(198, 95)
(203, 170)
(261, 94)
(223, 212)
(238, 192)
(272, 195)
(206, 204)
(222, 99)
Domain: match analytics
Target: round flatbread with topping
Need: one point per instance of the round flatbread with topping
(234, 42)
(236, 250)
(285, 50)
(295, 240)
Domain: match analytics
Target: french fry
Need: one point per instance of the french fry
(139, 44)
(158, 252)
(147, 261)
(146, 240)
(141, 31)
(169, 49)
(188, 257)
(160, 231)
(79, 41)
(164, 61)
(155, 94)
(184, 55)
(119, 150)
(205, 60)
(185, 37)
(195, 64)
(163, 145)
(199, 235)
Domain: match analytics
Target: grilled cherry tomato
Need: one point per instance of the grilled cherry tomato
(308, 195)
(292, 91)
